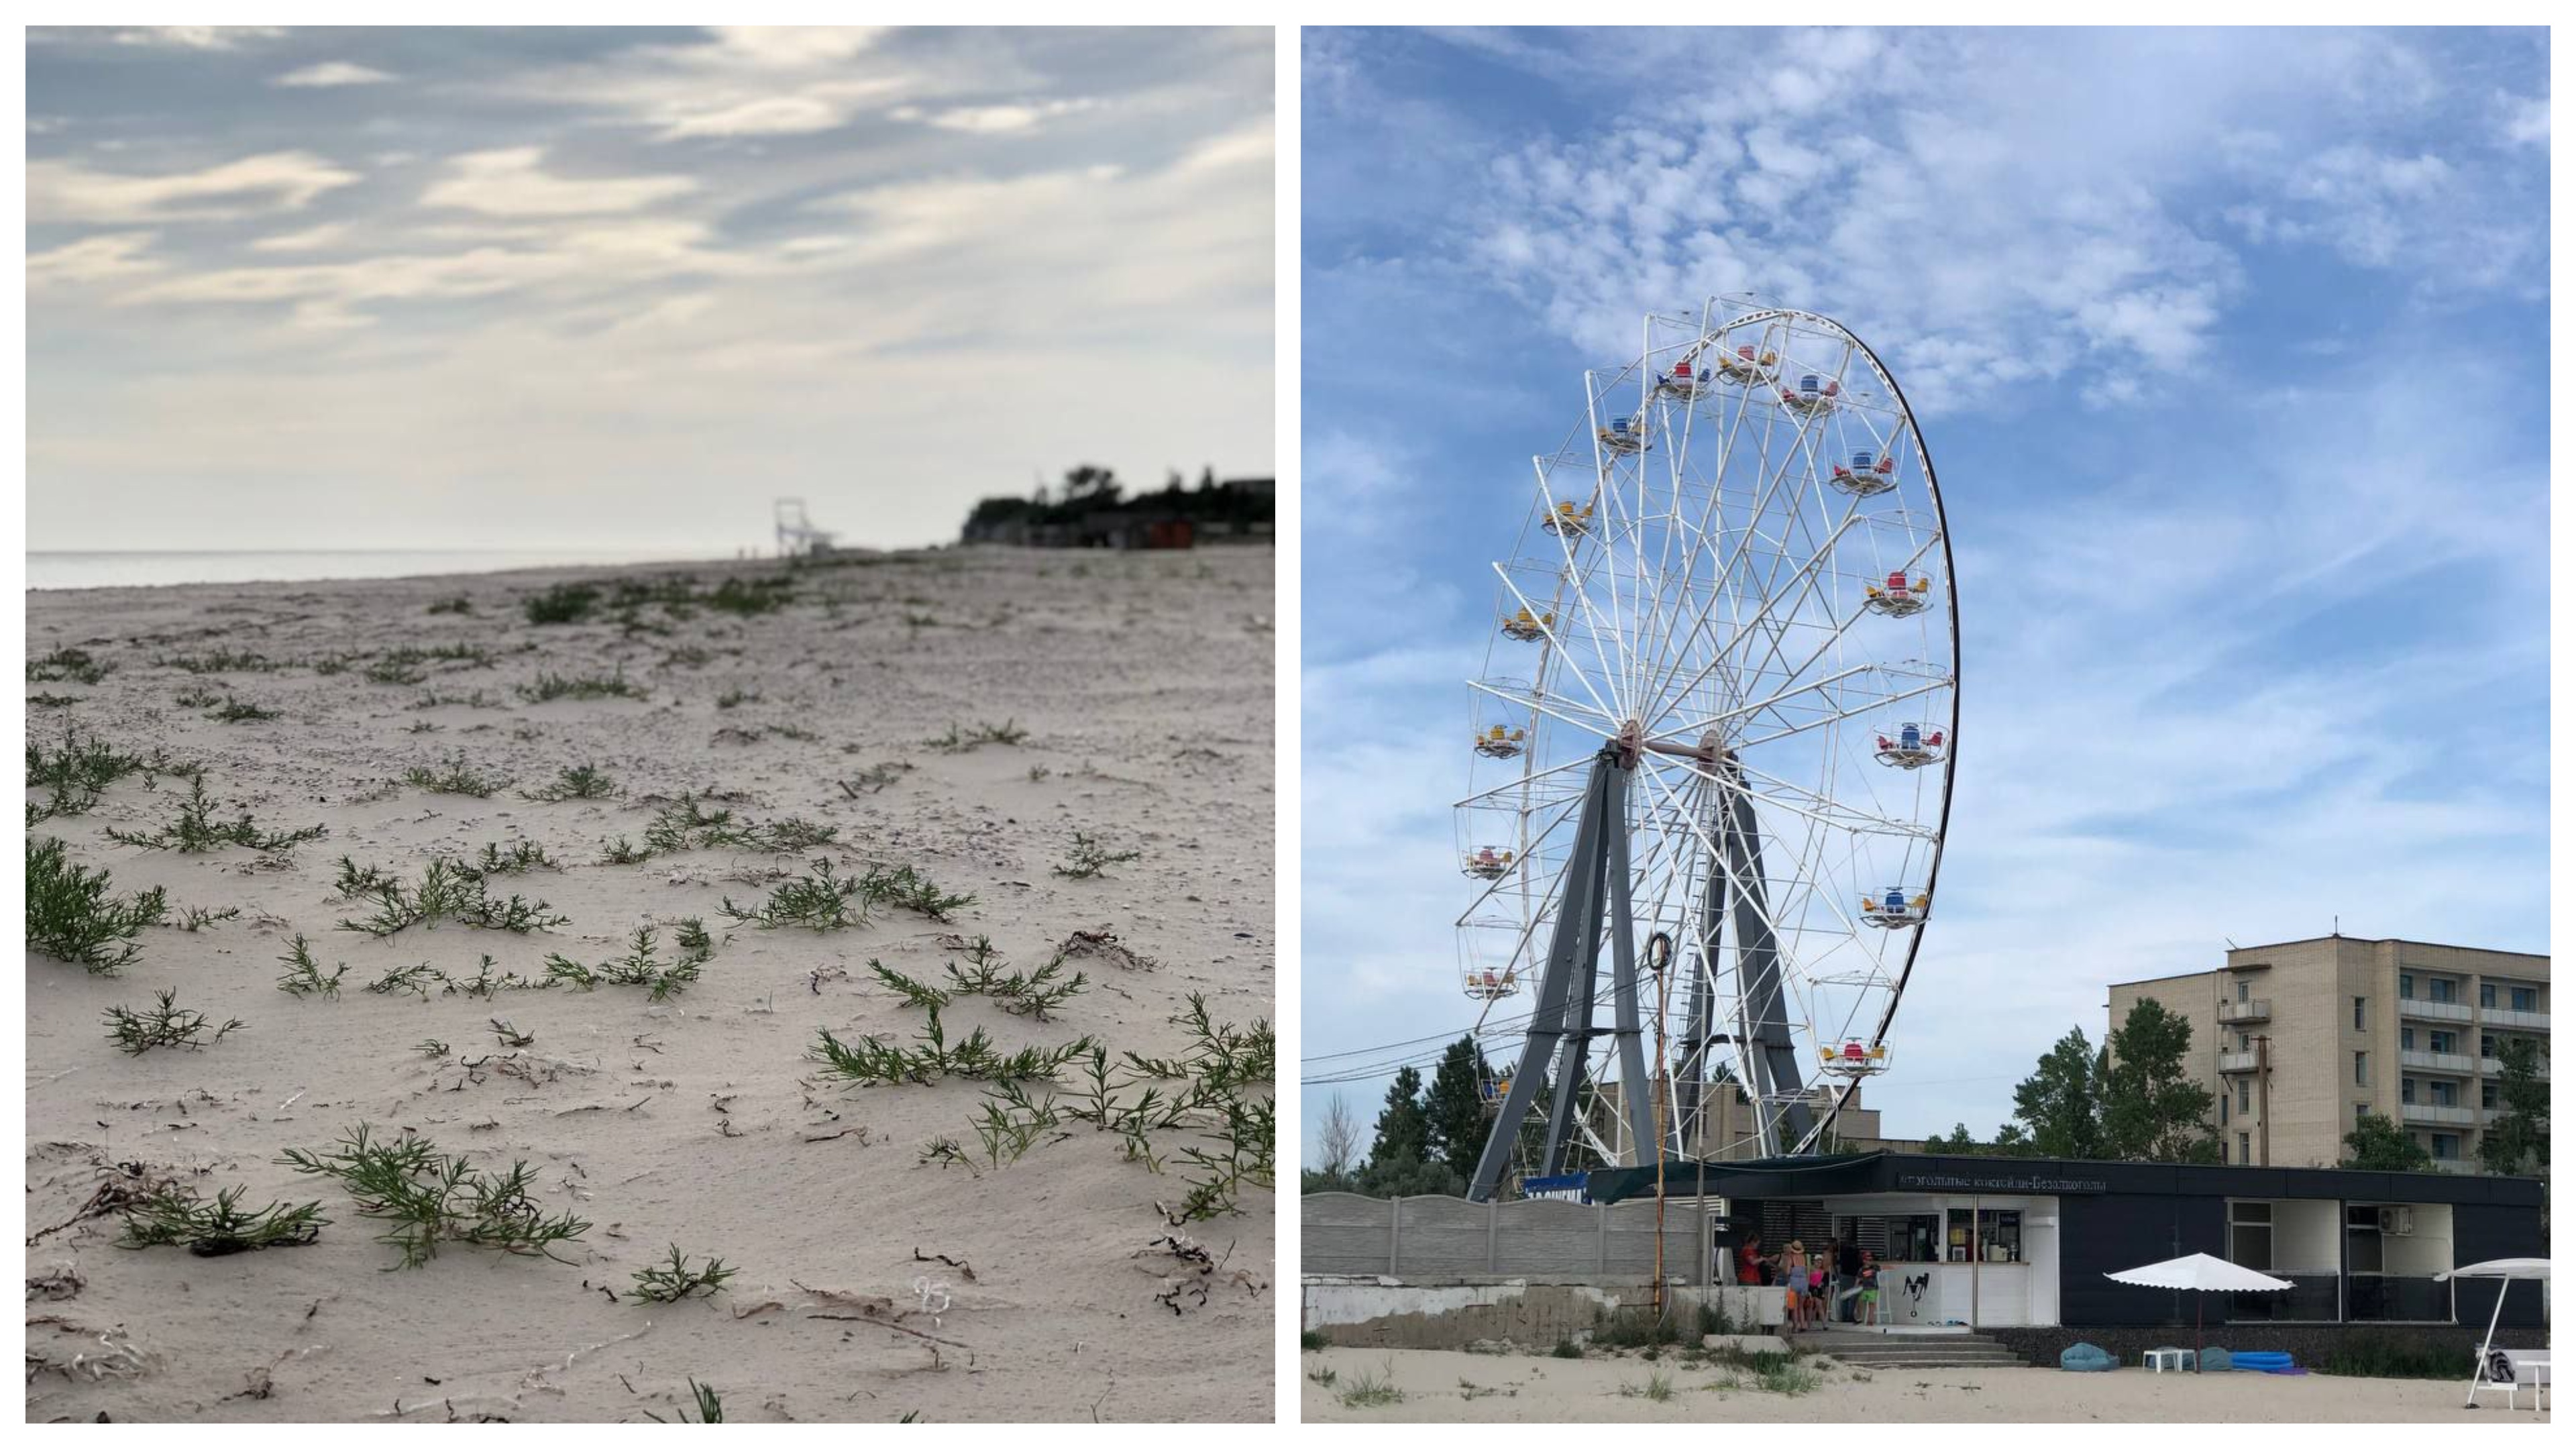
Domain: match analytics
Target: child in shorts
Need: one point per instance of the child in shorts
(1869, 1289)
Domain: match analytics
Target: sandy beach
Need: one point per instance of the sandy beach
(1438, 1387)
(883, 704)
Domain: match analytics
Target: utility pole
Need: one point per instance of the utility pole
(1659, 954)
(2263, 1095)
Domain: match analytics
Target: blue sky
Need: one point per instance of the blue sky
(456, 288)
(2231, 350)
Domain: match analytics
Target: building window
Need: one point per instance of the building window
(2244, 1148)
(2406, 1038)
(2487, 1095)
(2222, 1111)
(2244, 1095)
(2249, 1235)
(2486, 1044)
(2356, 1013)
(2445, 1041)
(2526, 998)
(2444, 988)
(1994, 1238)
(2405, 987)
(2244, 991)
(2445, 1094)
(2359, 1111)
(2486, 995)
(2446, 1147)
(2406, 1090)
(2361, 1069)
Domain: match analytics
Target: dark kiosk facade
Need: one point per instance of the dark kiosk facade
(2023, 1243)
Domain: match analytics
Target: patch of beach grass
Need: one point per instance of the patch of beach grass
(574, 782)
(427, 1198)
(1088, 857)
(453, 777)
(174, 1215)
(73, 916)
(164, 1024)
(197, 828)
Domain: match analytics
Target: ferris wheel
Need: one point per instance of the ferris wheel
(1712, 750)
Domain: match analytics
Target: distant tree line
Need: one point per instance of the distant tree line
(2131, 1099)
(1090, 489)
(1426, 1140)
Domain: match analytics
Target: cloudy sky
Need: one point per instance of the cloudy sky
(445, 288)
(2232, 351)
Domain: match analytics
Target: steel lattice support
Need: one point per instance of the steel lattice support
(1594, 887)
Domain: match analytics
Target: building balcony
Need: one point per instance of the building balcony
(2238, 1061)
(2504, 1017)
(2436, 1115)
(2495, 1068)
(2436, 1061)
(2232, 1012)
(2456, 1164)
(2432, 1010)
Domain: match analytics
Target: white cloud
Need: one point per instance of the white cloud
(736, 83)
(793, 46)
(513, 182)
(92, 259)
(66, 191)
(2526, 121)
(1253, 145)
(310, 239)
(197, 37)
(589, 255)
(817, 108)
(994, 119)
(331, 73)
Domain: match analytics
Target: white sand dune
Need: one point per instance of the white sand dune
(1145, 685)
(1440, 1387)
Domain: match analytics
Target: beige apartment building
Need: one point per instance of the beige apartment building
(2297, 1040)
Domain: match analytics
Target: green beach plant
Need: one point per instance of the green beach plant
(175, 1216)
(427, 1198)
(197, 828)
(677, 1278)
(73, 916)
(164, 1024)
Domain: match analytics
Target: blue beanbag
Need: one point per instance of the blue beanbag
(2084, 1358)
(2263, 1362)
(2216, 1361)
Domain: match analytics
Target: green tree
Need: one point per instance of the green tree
(2060, 1104)
(2151, 1108)
(1403, 1131)
(1454, 1108)
(2376, 1144)
(2517, 1141)
(1957, 1143)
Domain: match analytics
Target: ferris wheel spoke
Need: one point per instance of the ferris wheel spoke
(1823, 809)
(1520, 783)
(1841, 625)
(1927, 686)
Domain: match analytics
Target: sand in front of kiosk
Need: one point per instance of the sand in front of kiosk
(1440, 1386)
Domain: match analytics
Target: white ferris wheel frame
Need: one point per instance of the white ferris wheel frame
(1562, 611)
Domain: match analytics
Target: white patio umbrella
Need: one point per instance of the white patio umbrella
(2506, 1269)
(2200, 1273)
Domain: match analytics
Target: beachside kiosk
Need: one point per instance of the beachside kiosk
(1993, 1242)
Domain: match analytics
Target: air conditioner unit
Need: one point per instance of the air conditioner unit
(2397, 1222)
